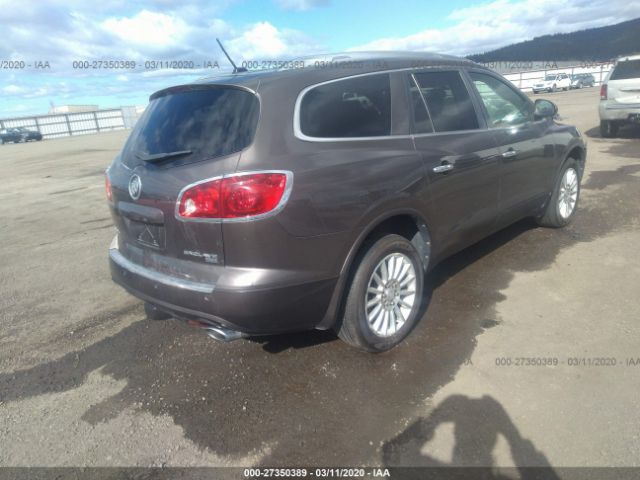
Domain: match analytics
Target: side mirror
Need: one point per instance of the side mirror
(545, 109)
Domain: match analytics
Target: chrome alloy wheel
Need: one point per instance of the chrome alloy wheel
(391, 294)
(568, 193)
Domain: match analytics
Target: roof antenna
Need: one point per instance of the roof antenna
(235, 69)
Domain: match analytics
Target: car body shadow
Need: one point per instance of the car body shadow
(629, 131)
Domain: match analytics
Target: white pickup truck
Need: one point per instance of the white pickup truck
(553, 82)
(620, 96)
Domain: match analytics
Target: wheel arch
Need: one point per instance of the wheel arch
(408, 223)
(578, 153)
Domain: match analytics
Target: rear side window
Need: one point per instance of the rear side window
(448, 101)
(625, 70)
(208, 121)
(354, 107)
(421, 121)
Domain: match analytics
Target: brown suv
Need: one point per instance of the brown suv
(319, 197)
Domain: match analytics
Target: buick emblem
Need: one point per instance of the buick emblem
(135, 186)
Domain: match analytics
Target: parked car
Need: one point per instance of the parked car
(581, 80)
(28, 135)
(10, 135)
(318, 198)
(553, 82)
(620, 96)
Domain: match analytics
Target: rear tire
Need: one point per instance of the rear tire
(608, 128)
(384, 297)
(563, 203)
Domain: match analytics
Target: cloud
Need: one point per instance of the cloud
(64, 31)
(145, 27)
(492, 25)
(301, 5)
(263, 41)
(13, 90)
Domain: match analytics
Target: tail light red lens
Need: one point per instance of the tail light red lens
(603, 92)
(107, 186)
(234, 196)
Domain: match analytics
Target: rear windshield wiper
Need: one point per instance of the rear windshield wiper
(156, 157)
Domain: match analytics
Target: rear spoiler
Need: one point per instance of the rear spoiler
(191, 87)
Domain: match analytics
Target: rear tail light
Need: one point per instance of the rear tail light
(603, 92)
(107, 186)
(243, 195)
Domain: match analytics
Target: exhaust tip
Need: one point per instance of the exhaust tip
(218, 333)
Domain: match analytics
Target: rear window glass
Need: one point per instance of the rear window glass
(355, 107)
(624, 70)
(208, 121)
(448, 101)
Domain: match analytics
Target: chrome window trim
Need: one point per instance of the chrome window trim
(450, 132)
(281, 204)
(297, 132)
(155, 276)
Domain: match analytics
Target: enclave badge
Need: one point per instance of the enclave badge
(135, 186)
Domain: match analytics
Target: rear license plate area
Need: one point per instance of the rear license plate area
(146, 234)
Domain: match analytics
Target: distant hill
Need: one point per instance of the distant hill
(593, 44)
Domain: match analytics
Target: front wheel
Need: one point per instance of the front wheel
(384, 297)
(564, 200)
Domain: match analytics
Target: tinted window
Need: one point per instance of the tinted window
(624, 70)
(504, 105)
(448, 101)
(356, 107)
(209, 121)
(421, 120)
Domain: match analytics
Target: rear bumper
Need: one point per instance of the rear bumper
(617, 111)
(265, 307)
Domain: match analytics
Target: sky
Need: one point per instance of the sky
(46, 42)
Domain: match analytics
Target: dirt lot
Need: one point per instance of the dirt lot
(86, 380)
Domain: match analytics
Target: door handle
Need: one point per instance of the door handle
(510, 153)
(444, 168)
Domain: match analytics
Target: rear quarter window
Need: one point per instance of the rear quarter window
(353, 107)
(626, 70)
